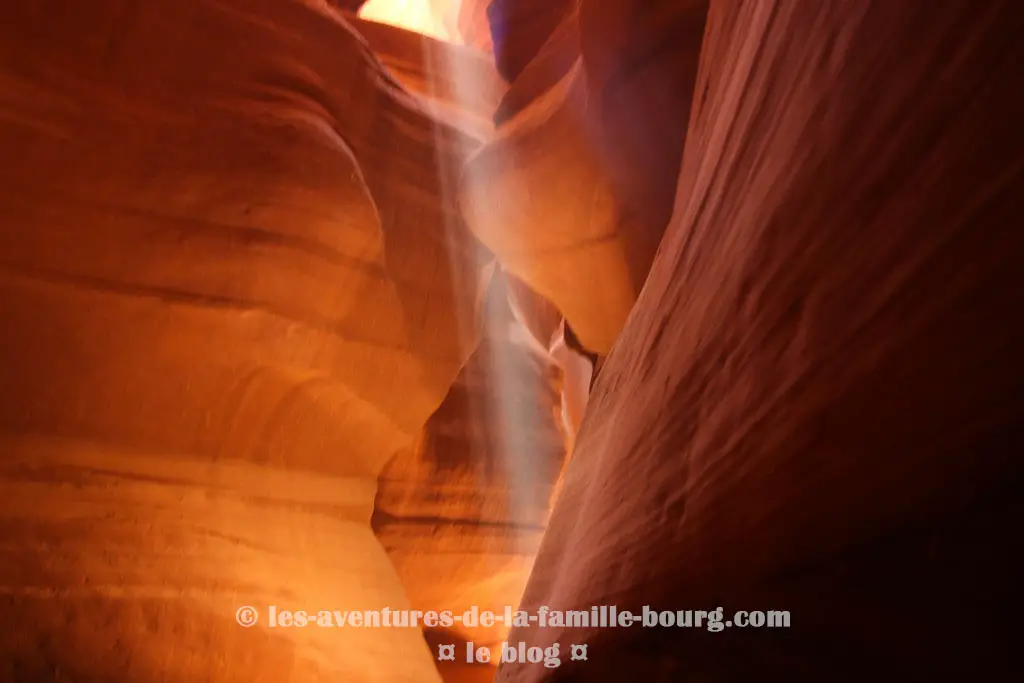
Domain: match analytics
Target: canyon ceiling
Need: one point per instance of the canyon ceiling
(286, 293)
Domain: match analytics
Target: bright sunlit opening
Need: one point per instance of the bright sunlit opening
(434, 18)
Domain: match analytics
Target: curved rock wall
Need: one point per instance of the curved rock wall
(461, 84)
(462, 512)
(233, 287)
(578, 185)
(473, 25)
(815, 405)
(255, 353)
(519, 28)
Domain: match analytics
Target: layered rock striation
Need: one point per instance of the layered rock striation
(577, 187)
(815, 405)
(233, 287)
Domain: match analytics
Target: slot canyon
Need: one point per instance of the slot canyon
(448, 305)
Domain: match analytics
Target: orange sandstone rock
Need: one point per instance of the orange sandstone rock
(232, 288)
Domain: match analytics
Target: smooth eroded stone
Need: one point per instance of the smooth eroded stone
(816, 403)
(233, 286)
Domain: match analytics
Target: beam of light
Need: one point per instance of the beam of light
(518, 450)
(510, 407)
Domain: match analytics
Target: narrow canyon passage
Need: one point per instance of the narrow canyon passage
(315, 311)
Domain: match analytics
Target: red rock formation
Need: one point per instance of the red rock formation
(346, 5)
(640, 59)
(241, 308)
(462, 513)
(816, 403)
(538, 315)
(520, 27)
(604, 123)
(232, 287)
(473, 25)
(461, 85)
(553, 62)
(537, 197)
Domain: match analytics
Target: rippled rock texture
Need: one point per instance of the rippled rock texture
(462, 512)
(816, 403)
(233, 287)
(578, 185)
(277, 288)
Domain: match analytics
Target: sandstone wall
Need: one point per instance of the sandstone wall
(233, 287)
(577, 187)
(815, 405)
